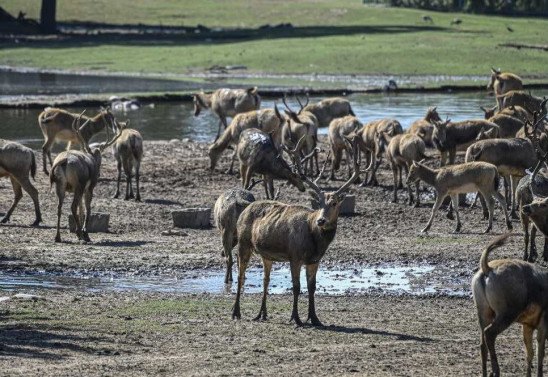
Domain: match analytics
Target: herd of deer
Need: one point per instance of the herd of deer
(508, 143)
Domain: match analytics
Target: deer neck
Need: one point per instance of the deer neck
(427, 174)
(322, 236)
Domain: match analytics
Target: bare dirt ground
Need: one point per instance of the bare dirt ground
(139, 333)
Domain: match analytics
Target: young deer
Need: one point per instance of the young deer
(78, 172)
(502, 83)
(18, 163)
(56, 124)
(507, 291)
(297, 234)
(258, 154)
(227, 103)
(460, 179)
(128, 151)
(424, 128)
(328, 109)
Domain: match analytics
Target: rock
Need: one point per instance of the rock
(174, 232)
(5, 298)
(192, 218)
(27, 297)
(348, 206)
(98, 223)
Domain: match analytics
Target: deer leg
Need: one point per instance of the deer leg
(61, 197)
(367, 178)
(33, 193)
(533, 246)
(311, 271)
(46, 154)
(348, 163)
(18, 195)
(127, 171)
(490, 208)
(137, 177)
(443, 158)
(437, 204)
(400, 182)
(119, 168)
(270, 183)
(88, 195)
(228, 238)
(267, 267)
(244, 253)
(498, 196)
(452, 156)
(455, 201)
(525, 226)
(541, 343)
(499, 324)
(485, 316)
(507, 190)
(295, 277)
(76, 203)
(395, 189)
(528, 341)
(373, 181)
(220, 127)
(233, 158)
(514, 181)
(484, 209)
(335, 162)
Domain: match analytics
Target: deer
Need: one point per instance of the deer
(513, 111)
(401, 150)
(56, 124)
(328, 109)
(299, 124)
(226, 212)
(128, 152)
(267, 120)
(258, 154)
(424, 127)
(520, 98)
(227, 103)
(368, 142)
(340, 128)
(503, 82)
(508, 125)
(453, 180)
(78, 172)
(18, 163)
(286, 232)
(448, 136)
(507, 291)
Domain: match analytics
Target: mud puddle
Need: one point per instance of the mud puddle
(415, 280)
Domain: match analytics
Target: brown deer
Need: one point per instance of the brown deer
(18, 163)
(513, 111)
(520, 98)
(460, 179)
(227, 103)
(293, 233)
(424, 128)
(339, 129)
(507, 291)
(56, 125)
(258, 154)
(267, 120)
(128, 152)
(328, 109)
(502, 83)
(78, 172)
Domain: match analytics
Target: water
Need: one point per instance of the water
(417, 280)
(166, 121)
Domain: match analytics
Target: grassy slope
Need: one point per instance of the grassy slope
(468, 49)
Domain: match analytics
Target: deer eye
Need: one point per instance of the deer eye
(333, 204)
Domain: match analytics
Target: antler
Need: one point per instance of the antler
(76, 128)
(300, 104)
(533, 137)
(353, 144)
(108, 143)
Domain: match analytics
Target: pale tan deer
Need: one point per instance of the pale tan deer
(424, 128)
(339, 129)
(128, 152)
(328, 109)
(502, 83)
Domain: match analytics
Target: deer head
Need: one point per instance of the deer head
(440, 131)
(432, 115)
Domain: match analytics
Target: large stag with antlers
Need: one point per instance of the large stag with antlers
(227, 103)
(283, 232)
(56, 125)
(78, 172)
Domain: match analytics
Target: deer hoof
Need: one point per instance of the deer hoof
(314, 321)
(57, 238)
(297, 320)
(36, 222)
(138, 198)
(509, 225)
(5, 219)
(450, 215)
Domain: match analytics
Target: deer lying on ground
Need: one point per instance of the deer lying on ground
(461, 179)
(520, 98)
(328, 109)
(18, 163)
(78, 172)
(297, 125)
(339, 129)
(502, 83)
(424, 128)
(226, 212)
(267, 120)
(227, 103)
(258, 154)
(293, 233)
(507, 291)
(368, 142)
(128, 151)
(448, 136)
(56, 125)
(401, 151)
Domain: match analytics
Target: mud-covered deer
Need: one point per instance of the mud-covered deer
(507, 291)
(78, 172)
(293, 233)
(128, 152)
(227, 103)
(19, 163)
(56, 125)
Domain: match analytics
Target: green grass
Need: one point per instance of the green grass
(372, 47)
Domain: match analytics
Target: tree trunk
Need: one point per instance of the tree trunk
(47, 16)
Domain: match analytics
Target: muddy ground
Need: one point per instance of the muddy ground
(139, 333)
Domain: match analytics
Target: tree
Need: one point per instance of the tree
(47, 16)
